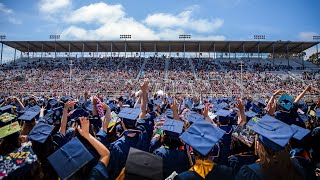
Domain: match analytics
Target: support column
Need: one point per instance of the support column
(28, 54)
(82, 50)
(41, 52)
(111, 49)
(1, 52)
(273, 54)
(229, 51)
(214, 51)
(169, 50)
(288, 55)
(15, 53)
(140, 50)
(125, 48)
(199, 50)
(55, 49)
(258, 50)
(184, 49)
(69, 51)
(97, 49)
(303, 56)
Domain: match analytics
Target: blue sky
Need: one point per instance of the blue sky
(165, 19)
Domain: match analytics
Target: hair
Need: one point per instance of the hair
(276, 165)
(172, 142)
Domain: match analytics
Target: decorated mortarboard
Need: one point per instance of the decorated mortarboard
(17, 163)
(202, 136)
(286, 102)
(40, 132)
(129, 115)
(173, 128)
(7, 109)
(303, 106)
(300, 132)
(143, 165)
(250, 114)
(29, 116)
(9, 129)
(273, 133)
(70, 158)
(79, 112)
(194, 116)
(7, 117)
(212, 115)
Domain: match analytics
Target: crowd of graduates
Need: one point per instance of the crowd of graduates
(148, 135)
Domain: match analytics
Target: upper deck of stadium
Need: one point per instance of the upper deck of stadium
(162, 46)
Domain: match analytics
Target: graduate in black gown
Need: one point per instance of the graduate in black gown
(202, 136)
(272, 148)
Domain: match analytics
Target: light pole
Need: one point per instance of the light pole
(55, 37)
(259, 37)
(317, 38)
(125, 37)
(70, 75)
(2, 37)
(184, 37)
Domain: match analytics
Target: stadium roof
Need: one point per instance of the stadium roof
(162, 46)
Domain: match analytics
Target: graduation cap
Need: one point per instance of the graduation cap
(49, 117)
(18, 163)
(317, 114)
(66, 99)
(199, 108)
(129, 115)
(9, 129)
(79, 112)
(157, 101)
(35, 108)
(273, 133)
(7, 109)
(40, 132)
(299, 132)
(89, 106)
(7, 117)
(189, 104)
(172, 127)
(223, 116)
(261, 103)
(202, 136)
(53, 102)
(28, 116)
(250, 114)
(70, 158)
(285, 101)
(255, 108)
(169, 113)
(303, 117)
(194, 116)
(143, 165)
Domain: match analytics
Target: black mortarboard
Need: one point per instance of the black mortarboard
(70, 158)
(143, 165)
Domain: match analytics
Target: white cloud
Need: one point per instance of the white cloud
(99, 12)
(112, 21)
(307, 36)
(53, 6)
(5, 10)
(183, 20)
(8, 14)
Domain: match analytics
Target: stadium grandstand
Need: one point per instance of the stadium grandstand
(176, 67)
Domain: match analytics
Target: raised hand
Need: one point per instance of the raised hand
(104, 106)
(206, 110)
(84, 129)
(145, 85)
(278, 92)
(308, 88)
(69, 104)
(240, 105)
